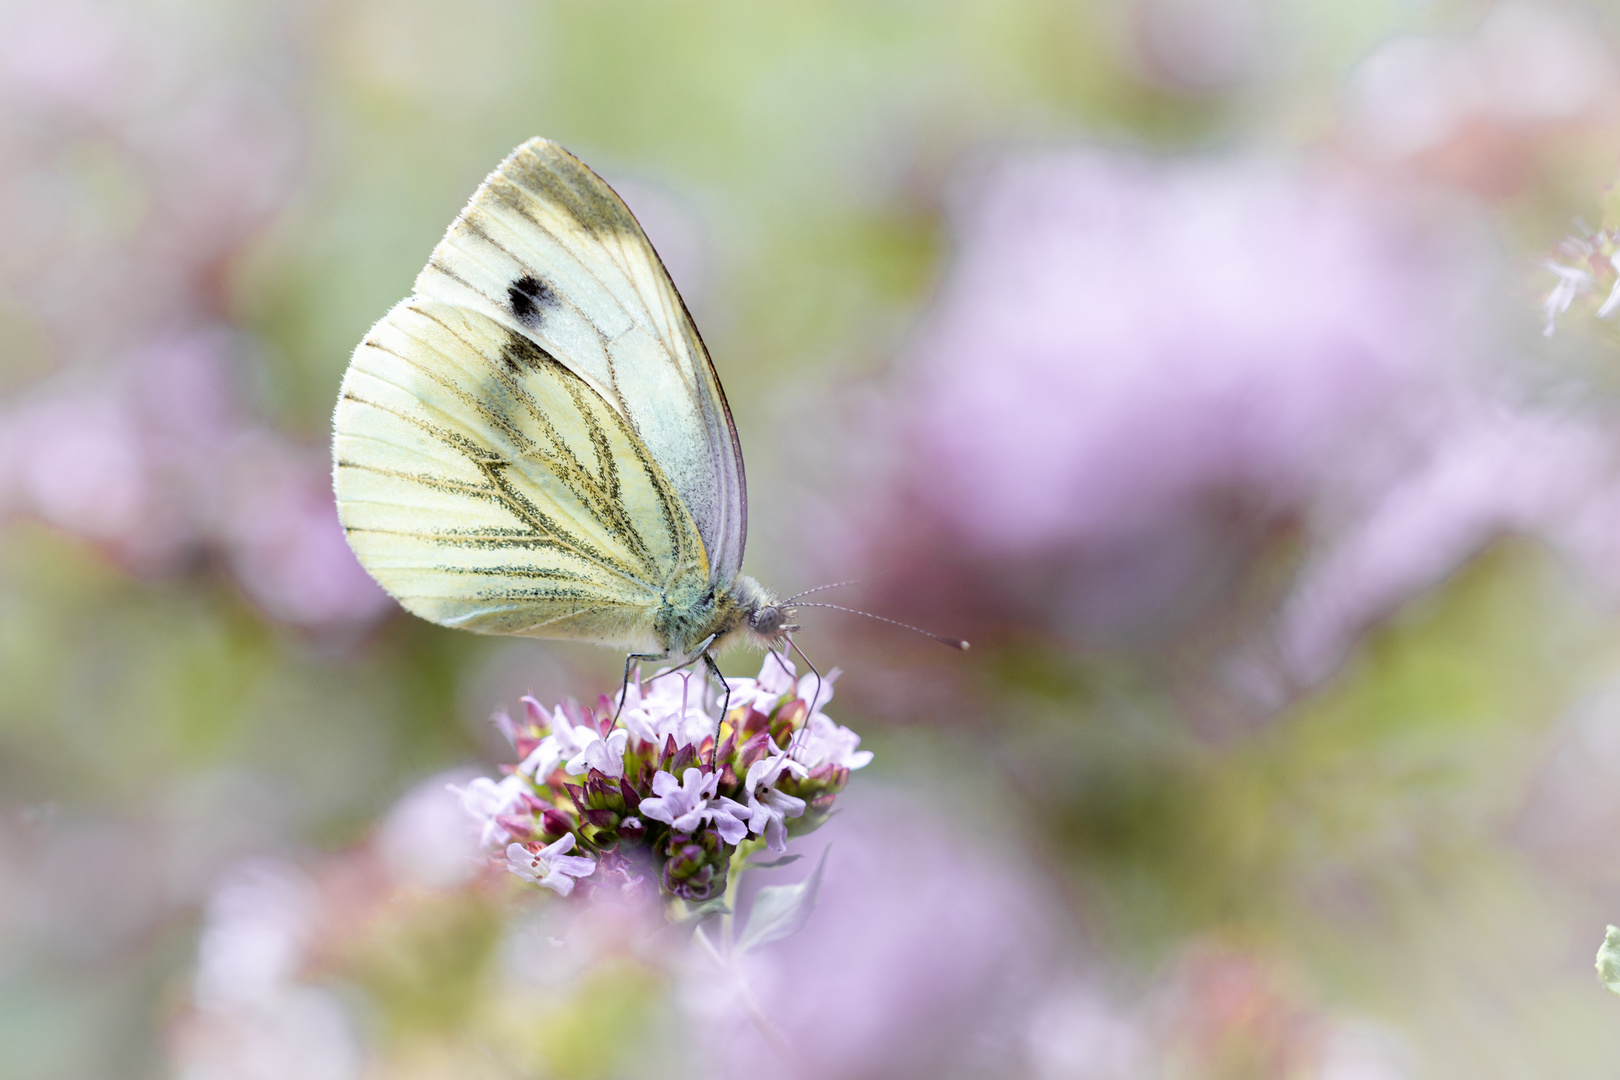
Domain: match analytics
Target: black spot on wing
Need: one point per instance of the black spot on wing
(527, 295)
(520, 354)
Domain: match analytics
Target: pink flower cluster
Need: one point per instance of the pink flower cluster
(654, 780)
(1591, 262)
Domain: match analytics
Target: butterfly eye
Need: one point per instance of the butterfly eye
(766, 620)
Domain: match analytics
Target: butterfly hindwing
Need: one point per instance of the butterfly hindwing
(487, 485)
(547, 250)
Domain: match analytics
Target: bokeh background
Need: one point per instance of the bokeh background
(1188, 356)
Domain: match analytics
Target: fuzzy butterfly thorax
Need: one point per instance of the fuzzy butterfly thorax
(746, 613)
(535, 441)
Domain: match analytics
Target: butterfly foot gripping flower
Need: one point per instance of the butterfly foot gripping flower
(673, 793)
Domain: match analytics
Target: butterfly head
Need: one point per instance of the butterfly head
(768, 621)
(771, 621)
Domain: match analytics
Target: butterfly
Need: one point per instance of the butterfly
(535, 442)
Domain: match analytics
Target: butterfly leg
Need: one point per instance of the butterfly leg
(630, 660)
(714, 669)
(683, 666)
(815, 695)
(624, 684)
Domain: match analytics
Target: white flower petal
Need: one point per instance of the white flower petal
(1571, 281)
(659, 810)
(574, 865)
(559, 883)
(1612, 304)
(689, 821)
(776, 835)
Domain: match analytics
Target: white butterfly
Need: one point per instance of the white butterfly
(535, 442)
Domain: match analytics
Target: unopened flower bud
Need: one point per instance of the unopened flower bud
(753, 724)
(521, 828)
(685, 860)
(603, 819)
(554, 822)
(696, 865)
(792, 714)
(602, 793)
(753, 750)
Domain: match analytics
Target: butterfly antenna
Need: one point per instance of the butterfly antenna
(955, 643)
(820, 588)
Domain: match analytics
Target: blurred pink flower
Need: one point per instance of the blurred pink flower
(1526, 66)
(139, 152)
(280, 531)
(68, 54)
(1489, 468)
(76, 463)
(1144, 380)
(138, 156)
(258, 924)
(485, 800)
(921, 948)
(253, 1017)
(1596, 258)
(1197, 46)
(1225, 1008)
(1139, 372)
(426, 839)
(1075, 1033)
(160, 465)
(1119, 336)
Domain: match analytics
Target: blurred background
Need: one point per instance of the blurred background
(1204, 362)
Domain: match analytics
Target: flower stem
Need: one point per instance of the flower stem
(734, 873)
(772, 1034)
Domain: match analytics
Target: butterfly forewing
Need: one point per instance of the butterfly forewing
(487, 485)
(546, 250)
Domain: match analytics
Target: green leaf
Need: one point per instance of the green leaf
(782, 910)
(1608, 960)
(685, 918)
